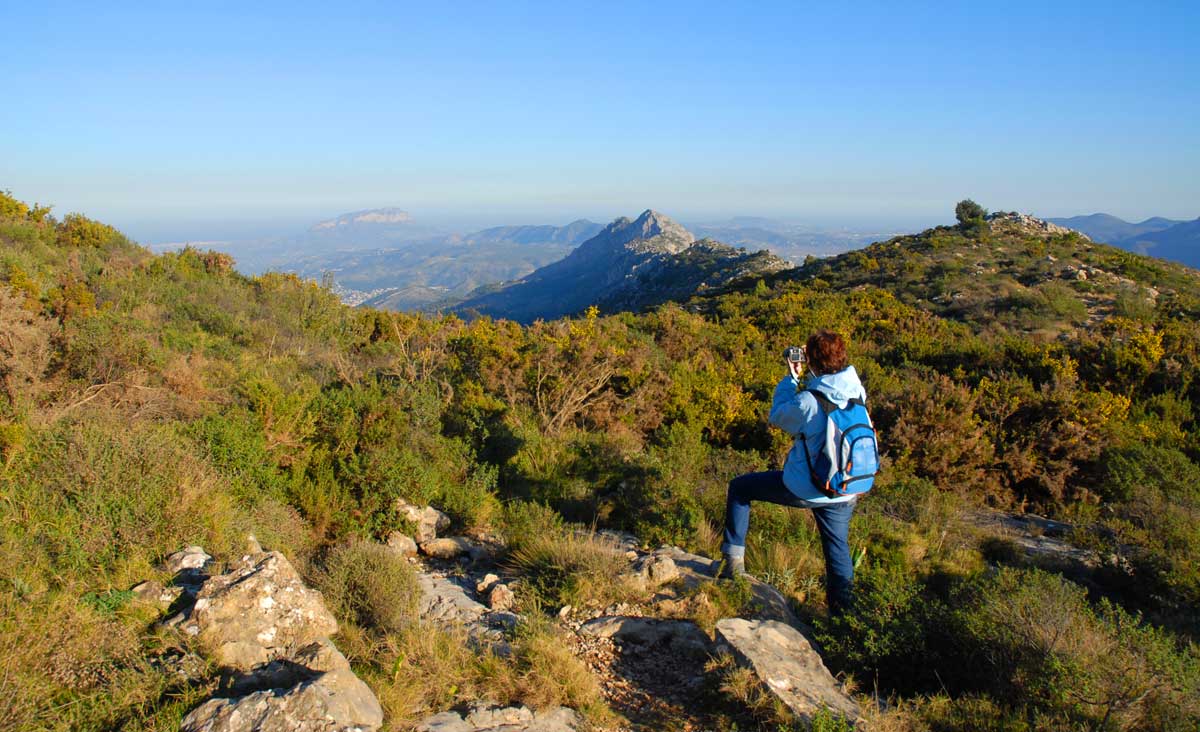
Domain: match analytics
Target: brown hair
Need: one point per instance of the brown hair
(826, 352)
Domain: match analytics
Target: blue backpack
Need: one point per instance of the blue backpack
(848, 462)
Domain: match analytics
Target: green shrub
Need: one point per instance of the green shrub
(1138, 467)
(370, 585)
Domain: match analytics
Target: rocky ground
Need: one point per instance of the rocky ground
(271, 636)
(656, 666)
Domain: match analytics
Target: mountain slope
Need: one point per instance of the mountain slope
(630, 265)
(1179, 243)
(1022, 275)
(575, 232)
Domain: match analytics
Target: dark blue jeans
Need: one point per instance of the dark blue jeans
(833, 521)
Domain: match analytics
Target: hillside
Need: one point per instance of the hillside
(1178, 243)
(151, 405)
(1022, 276)
(630, 265)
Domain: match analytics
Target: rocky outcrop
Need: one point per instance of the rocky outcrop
(507, 719)
(334, 701)
(1019, 223)
(629, 265)
(259, 611)
(788, 666)
(270, 634)
(768, 602)
(683, 637)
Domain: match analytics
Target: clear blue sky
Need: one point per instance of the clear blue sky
(178, 113)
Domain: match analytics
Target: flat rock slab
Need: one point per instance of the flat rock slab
(770, 602)
(443, 600)
(507, 719)
(683, 636)
(788, 666)
(337, 701)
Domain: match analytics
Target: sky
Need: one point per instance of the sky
(222, 119)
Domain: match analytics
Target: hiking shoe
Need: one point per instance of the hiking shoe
(732, 567)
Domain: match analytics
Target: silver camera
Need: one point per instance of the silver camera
(795, 354)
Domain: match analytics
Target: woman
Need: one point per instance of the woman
(796, 411)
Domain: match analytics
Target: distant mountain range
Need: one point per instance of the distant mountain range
(1178, 241)
(629, 265)
(420, 273)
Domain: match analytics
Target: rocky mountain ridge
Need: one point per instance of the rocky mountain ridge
(631, 264)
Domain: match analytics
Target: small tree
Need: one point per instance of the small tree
(967, 212)
(970, 216)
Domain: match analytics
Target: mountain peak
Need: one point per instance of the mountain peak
(368, 216)
(667, 234)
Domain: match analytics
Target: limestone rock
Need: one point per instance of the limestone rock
(500, 597)
(506, 719)
(191, 557)
(787, 664)
(443, 600)
(309, 662)
(258, 611)
(336, 701)
(655, 569)
(155, 593)
(484, 585)
(402, 544)
(770, 604)
(683, 636)
(1002, 221)
(427, 520)
(450, 547)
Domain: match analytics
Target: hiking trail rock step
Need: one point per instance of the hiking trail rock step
(507, 719)
(682, 636)
(787, 665)
(335, 701)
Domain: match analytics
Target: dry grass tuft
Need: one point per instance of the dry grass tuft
(572, 568)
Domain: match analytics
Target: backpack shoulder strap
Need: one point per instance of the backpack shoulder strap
(824, 402)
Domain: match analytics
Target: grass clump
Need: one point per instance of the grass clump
(564, 566)
(369, 584)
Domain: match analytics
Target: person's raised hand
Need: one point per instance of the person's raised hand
(797, 369)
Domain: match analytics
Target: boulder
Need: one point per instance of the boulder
(450, 547)
(336, 701)
(505, 719)
(787, 665)
(655, 569)
(259, 611)
(191, 557)
(402, 544)
(500, 597)
(427, 521)
(485, 585)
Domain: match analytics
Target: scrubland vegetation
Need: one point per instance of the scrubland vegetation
(147, 402)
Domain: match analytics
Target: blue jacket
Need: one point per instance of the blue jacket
(798, 414)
